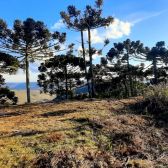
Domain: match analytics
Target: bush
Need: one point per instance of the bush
(87, 95)
(6, 94)
(155, 101)
(80, 96)
(115, 93)
(71, 93)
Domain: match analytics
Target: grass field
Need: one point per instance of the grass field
(81, 134)
(35, 96)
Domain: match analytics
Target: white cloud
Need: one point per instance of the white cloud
(87, 56)
(58, 25)
(94, 56)
(125, 27)
(35, 65)
(117, 29)
(21, 77)
(94, 37)
(147, 17)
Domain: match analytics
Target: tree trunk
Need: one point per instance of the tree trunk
(90, 56)
(135, 85)
(85, 64)
(155, 70)
(70, 84)
(130, 78)
(27, 78)
(125, 85)
(71, 88)
(66, 83)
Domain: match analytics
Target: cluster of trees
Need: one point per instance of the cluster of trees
(115, 75)
(31, 40)
(129, 50)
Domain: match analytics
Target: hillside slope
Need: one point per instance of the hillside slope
(34, 95)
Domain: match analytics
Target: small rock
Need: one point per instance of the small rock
(15, 131)
(157, 134)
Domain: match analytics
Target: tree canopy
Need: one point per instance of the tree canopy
(31, 40)
(91, 19)
(60, 74)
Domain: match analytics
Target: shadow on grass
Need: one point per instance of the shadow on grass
(4, 115)
(34, 132)
(154, 116)
(24, 134)
(58, 113)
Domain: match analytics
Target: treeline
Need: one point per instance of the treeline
(31, 40)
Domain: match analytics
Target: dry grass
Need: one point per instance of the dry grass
(99, 132)
(55, 137)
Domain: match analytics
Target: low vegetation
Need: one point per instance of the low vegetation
(121, 122)
(97, 133)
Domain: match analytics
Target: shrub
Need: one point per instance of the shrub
(115, 93)
(80, 96)
(155, 101)
(87, 95)
(6, 94)
(71, 93)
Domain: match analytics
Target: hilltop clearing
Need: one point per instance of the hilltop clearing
(99, 133)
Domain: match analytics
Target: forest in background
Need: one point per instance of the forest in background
(114, 76)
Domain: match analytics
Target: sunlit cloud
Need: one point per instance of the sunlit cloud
(118, 29)
(21, 77)
(58, 25)
(95, 38)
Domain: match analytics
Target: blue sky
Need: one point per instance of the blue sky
(144, 20)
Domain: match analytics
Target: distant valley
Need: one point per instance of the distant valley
(20, 91)
(22, 86)
(34, 86)
(35, 96)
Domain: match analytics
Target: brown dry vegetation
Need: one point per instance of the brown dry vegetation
(99, 133)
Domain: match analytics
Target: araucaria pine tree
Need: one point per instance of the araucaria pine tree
(157, 54)
(126, 51)
(91, 19)
(31, 40)
(60, 75)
